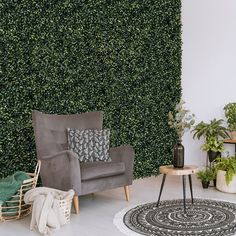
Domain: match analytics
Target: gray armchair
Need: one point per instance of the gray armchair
(60, 167)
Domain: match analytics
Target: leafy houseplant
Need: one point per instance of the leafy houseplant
(214, 147)
(230, 114)
(228, 165)
(181, 120)
(213, 132)
(205, 176)
(212, 129)
(213, 144)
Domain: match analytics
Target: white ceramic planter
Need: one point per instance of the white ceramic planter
(221, 183)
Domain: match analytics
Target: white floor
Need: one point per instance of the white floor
(97, 212)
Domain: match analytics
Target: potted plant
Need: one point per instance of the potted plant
(213, 147)
(205, 176)
(213, 132)
(181, 121)
(230, 114)
(226, 174)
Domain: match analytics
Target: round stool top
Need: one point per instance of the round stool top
(171, 170)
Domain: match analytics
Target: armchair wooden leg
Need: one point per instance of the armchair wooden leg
(126, 193)
(76, 204)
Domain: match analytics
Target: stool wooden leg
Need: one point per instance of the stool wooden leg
(184, 192)
(162, 185)
(191, 187)
(76, 204)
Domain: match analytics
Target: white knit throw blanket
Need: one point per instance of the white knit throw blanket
(46, 212)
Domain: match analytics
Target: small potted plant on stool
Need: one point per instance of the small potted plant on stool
(230, 114)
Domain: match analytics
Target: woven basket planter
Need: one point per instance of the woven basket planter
(19, 208)
(65, 208)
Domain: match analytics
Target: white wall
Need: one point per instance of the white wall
(209, 64)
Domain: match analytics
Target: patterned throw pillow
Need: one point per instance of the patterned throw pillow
(90, 145)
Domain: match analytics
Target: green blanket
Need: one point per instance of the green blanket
(10, 185)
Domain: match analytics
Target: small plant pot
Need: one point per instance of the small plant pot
(214, 182)
(213, 155)
(205, 184)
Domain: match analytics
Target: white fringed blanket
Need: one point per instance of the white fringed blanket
(46, 212)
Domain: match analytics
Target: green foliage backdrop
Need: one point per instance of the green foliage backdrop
(71, 56)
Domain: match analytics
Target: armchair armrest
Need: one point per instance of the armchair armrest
(61, 171)
(124, 154)
(62, 153)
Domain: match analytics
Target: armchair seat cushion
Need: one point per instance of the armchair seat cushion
(95, 170)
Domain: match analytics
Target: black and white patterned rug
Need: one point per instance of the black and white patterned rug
(205, 217)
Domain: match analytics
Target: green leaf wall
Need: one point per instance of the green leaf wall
(119, 56)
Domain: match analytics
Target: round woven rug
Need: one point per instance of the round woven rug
(205, 217)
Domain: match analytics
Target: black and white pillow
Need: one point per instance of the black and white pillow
(90, 145)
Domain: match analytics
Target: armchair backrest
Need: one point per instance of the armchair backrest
(50, 130)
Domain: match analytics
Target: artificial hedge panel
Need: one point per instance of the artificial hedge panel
(121, 57)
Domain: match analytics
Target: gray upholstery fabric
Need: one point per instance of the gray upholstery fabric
(61, 168)
(100, 170)
(90, 145)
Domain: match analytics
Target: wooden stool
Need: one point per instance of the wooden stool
(170, 170)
